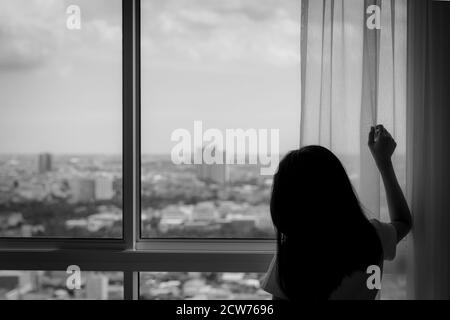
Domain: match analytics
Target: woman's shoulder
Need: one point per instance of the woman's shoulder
(386, 233)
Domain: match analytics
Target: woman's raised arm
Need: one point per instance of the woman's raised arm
(382, 146)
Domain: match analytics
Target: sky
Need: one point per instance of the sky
(60, 89)
(231, 64)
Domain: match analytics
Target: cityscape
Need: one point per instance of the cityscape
(51, 285)
(49, 196)
(201, 286)
(81, 197)
(198, 201)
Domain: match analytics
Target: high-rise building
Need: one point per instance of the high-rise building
(213, 173)
(104, 188)
(82, 190)
(97, 287)
(205, 211)
(45, 163)
(16, 283)
(117, 187)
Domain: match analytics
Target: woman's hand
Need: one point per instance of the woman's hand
(382, 146)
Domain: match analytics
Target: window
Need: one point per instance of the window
(87, 130)
(60, 119)
(69, 222)
(220, 65)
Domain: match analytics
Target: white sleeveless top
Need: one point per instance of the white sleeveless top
(353, 287)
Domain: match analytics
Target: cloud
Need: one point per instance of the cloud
(263, 31)
(258, 10)
(22, 52)
(33, 32)
(25, 41)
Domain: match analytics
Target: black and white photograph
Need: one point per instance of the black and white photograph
(243, 152)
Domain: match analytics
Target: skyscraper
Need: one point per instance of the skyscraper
(82, 190)
(213, 173)
(45, 163)
(96, 287)
(104, 188)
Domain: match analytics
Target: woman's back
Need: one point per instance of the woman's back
(324, 238)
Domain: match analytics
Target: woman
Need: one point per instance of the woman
(325, 241)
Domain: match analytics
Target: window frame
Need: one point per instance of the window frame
(133, 254)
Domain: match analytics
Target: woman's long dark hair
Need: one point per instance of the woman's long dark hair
(322, 232)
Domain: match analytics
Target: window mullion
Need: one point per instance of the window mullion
(137, 119)
(129, 101)
(131, 285)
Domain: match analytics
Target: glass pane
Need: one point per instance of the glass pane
(52, 285)
(61, 118)
(201, 286)
(210, 68)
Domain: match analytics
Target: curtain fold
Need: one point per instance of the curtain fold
(369, 191)
(353, 77)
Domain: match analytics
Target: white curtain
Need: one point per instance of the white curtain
(354, 77)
